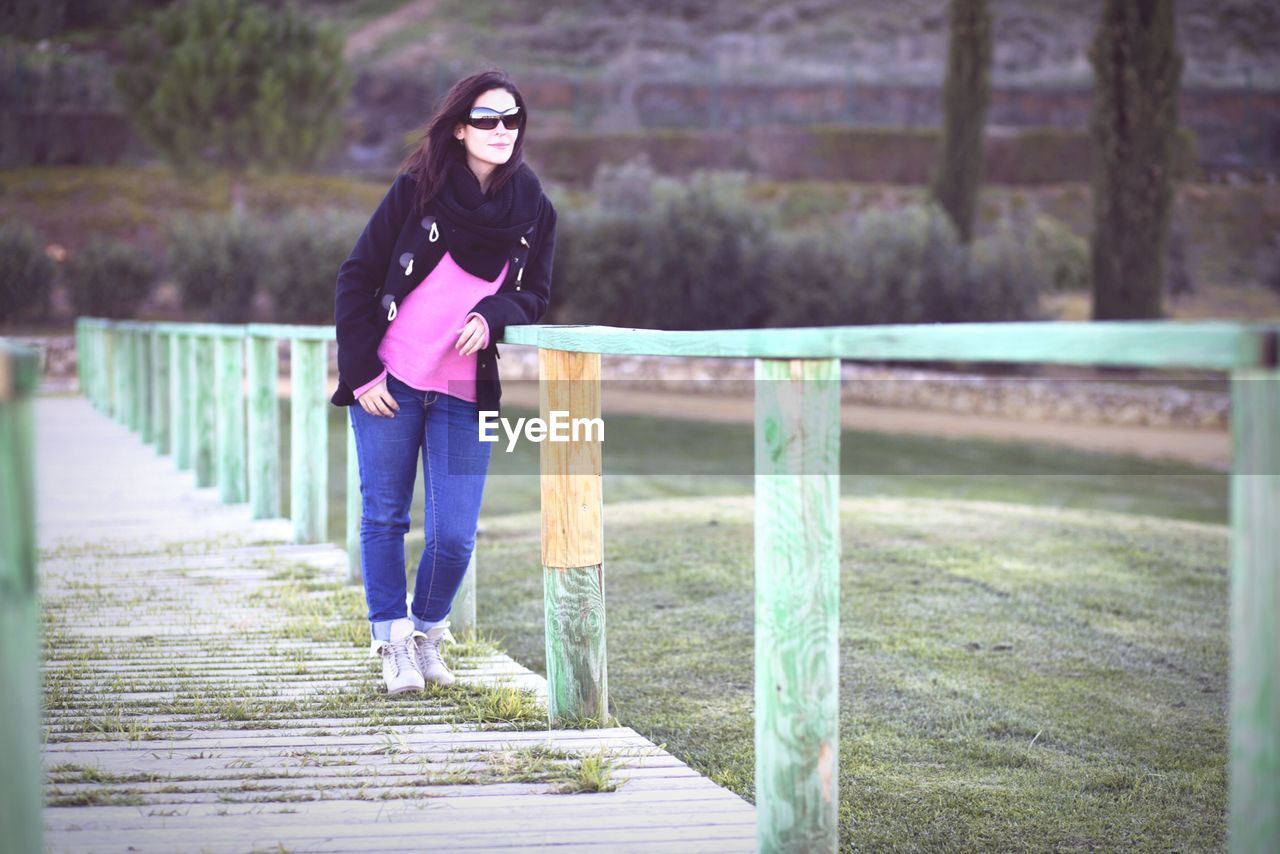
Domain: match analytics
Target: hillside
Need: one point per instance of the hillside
(1232, 43)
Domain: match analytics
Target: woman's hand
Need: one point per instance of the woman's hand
(470, 337)
(378, 401)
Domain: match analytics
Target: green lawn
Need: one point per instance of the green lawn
(659, 458)
(1033, 642)
(1012, 676)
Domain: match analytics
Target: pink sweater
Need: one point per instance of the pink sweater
(417, 348)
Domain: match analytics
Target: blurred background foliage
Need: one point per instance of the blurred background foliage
(775, 160)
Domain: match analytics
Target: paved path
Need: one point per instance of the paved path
(208, 689)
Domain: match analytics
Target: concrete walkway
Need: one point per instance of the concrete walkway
(207, 688)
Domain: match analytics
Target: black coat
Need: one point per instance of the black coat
(374, 275)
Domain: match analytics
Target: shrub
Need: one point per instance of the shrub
(904, 266)
(301, 261)
(216, 261)
(909, 265)
(627, 187)
(109, 278)
(813, 280)
(1063, 254)
(25, 271)
(695, 260)
(1004, 278)
(1269, 264)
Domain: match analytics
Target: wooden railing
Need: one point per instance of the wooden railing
(20, 705)
(796, 508)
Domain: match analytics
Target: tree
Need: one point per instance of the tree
(1137, 70)
(232, 84)
(965, 96)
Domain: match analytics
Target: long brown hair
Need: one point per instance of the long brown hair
(438, 146)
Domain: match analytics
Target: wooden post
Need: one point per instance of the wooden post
(180, 391)
(142, 382)
(160, 390)
(355, 574)
(79, 348)
(264, 427)
(21, 792)
(120, 385)
(115, 350)
(229, 393)
(308, 442)
(133, 372)
(573, 544)
(203, 410)
(797, 557)
(1255, 602)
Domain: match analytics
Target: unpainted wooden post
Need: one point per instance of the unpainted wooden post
(797, 607)
(203, 410)
(160, 390)
(1255, 603)
(573, 544)
(264, 427)
(355, 508)
(308, 442)
(229, 393)
(180, 397)
(21, 793)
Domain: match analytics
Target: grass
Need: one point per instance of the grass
(1012, 676)
(648, 457)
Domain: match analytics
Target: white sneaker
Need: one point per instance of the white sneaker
(430, 663)
(399, 660)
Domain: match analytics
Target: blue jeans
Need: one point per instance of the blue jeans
(454, 464)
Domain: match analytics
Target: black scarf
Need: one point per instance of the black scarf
(480, 230)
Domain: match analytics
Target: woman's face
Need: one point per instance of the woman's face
(489, 148)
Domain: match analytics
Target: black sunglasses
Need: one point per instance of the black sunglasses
(484, 118)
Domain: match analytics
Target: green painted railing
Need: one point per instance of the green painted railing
(20, 706)
(797, 550)
(208, 394)
(797, 553)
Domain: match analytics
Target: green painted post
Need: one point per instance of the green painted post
(1255, 602)
(308, 441)
(264, 427)
(180, 398)
(133, 411)
(21, 793)
(203, 410)
(84, 358)
(160, 391)
(462, 616)
(229, 393)
(797, 638)
(78, 332)
(354, 509)
(142, 367)
(120, 375)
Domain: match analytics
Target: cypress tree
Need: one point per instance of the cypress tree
(235, 85)
(965, 96)
(1137, 70)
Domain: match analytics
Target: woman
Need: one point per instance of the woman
(459, 249)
